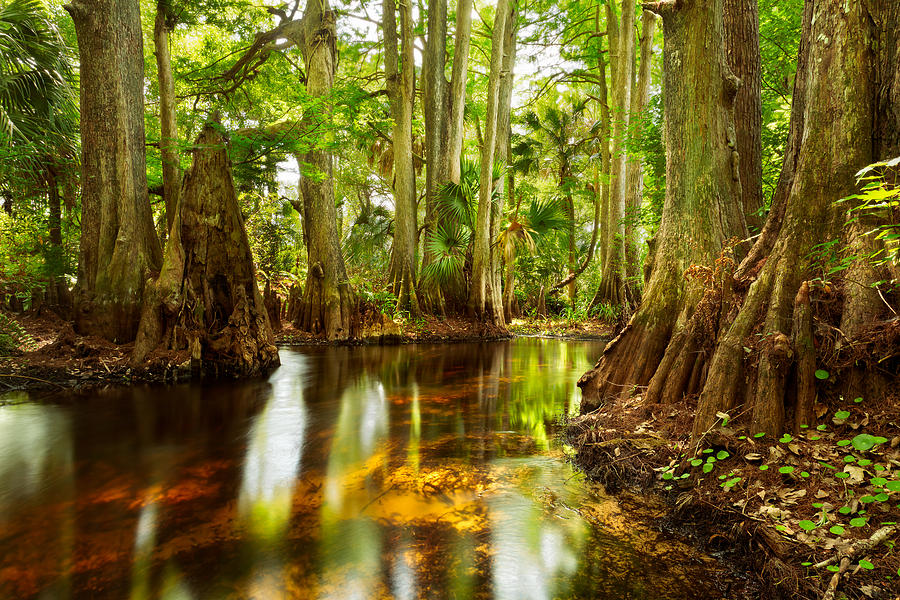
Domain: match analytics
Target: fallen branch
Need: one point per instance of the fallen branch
(32, 379)
(877, 538)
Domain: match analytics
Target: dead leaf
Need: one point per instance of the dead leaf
(857, 474)
(770, 511)
(820, 409)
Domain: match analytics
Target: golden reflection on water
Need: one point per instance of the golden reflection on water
(405, 472)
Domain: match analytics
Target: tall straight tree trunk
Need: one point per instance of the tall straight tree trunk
(837, 114)
(435, 101)
(119, 246)
(400, 74)
(168, 139)
(481, 295)
(702, 199)
(742, 51)
(458, 88)
(634, 179)
(329, 304)
(605, 129)
(612, 283)
(58, 293)
(504, 134)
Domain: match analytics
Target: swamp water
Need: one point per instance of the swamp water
(406, 472)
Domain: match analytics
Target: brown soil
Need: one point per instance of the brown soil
(59, 357)
(561, 328)
(427, 329)
(779, 521)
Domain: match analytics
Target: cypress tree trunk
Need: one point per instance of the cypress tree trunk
(435, 101)
(634, 180)
(504, 133)
(205, 302)
(702, 199)
(612, 282)
(57, 292)
(119, 247)
(742, 51)
(168, 138)
(458, 88)
(837, 113)
(400, 75)
(329, 304)
(612, 37)
(481, 293)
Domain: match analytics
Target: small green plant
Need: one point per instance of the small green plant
(605, 312)
(13, 338)
(865, 442)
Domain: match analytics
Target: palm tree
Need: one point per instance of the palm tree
(560, 133)
(38, 119)
(526, 230)
(450, 245)
(36, 97)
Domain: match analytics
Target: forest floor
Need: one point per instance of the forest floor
(815, 514)
(58, 357)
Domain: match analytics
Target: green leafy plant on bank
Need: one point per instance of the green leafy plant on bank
(863, 478)
(13, 337)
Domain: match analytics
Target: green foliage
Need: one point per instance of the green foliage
(865, 442)
(383, 300)
(36, 99)
(13, 338)
(879, 202)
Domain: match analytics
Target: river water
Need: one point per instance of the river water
(426, 471)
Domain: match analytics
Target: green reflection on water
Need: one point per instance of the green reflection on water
(410, 472)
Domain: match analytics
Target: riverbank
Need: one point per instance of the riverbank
(815, 514)
(55, 356)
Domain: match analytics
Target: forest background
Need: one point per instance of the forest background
(573, 130)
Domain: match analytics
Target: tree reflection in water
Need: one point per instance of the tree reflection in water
(373, 472)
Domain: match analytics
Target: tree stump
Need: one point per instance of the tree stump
(205, 300)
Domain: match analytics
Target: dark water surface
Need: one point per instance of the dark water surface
(427, 471)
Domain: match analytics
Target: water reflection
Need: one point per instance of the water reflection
(404, 472)
(535, 550)
(273, 459)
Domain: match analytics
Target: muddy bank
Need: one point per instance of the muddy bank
(56, 356)
(808, 515)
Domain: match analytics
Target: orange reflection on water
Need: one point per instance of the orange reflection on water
(404, 472)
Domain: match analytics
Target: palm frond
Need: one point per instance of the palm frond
(545, 216)
(36, 99)
(448, 247)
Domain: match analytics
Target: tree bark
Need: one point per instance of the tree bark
(329, 304)
(400, 75)
(612, 282)
(835, 115)
(505, 189)
(168, 138)
(458, 88)
(57, 292)
(435, 101)
(119, 247)
(702, 200)
(742, 51)
(205, 302)
(605, 134)
(634, 180)
(481, 302)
